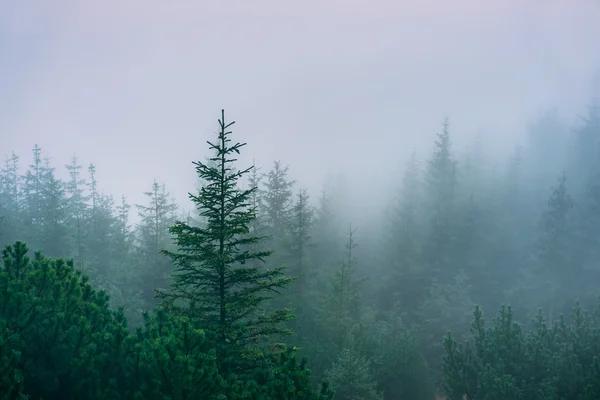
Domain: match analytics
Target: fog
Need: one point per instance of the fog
(342, 92)
(136, 87)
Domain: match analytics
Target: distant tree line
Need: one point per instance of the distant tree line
(220, 303)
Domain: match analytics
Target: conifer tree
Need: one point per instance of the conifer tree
(32, 196)
(401, 245)
(214, 279)
(514, 174)
(53, 214)
(441, 179)
(153, 236)
(77, 210)
(11, 202)
(328, 237)
(346, 290)
(554, 246)
(100, 228)
(300, 241)
(352, 377)
(584, 161)
(259, 226)
(278, 201)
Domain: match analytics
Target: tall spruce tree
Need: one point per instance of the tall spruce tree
(300, 241)
(402, 281)
(346, 290)
(279, 202)
(215, 282)
(441, 179)
(77, 217)
(11, 200)
(259, 226)
(554, 246)
(153, 236)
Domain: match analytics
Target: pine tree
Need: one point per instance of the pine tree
(77, 210)
(585, 155)
(403, 277)
(100, 221)
(153, 236)
(259, 226)
(512, 193)
(328, 238)
(352, 377)
(300, 242)
(441, 179)
(214, 280)
(11, 200)
(346, 289)
(32, 196)
(54, 239)
(127, 272)
(278, 201)
(554, 246)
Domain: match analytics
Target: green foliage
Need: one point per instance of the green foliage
(396, 359)
(505, 361)
(215, 281)
(59, 340)
(352, 377)
(58, 337)
(154, 270)
(173, 359)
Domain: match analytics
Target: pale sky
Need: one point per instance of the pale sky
(136, 86)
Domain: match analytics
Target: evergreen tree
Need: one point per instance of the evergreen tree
(59, 339)
(346, 291)
(11, 200)
(99, 243)
(352, 377)
(213, 280)
(584, 164)
(77, 210)
(259, 226)
(403, 279)
(153, 236)
(54, 237)
(32, 196)
(127, 274)
(328, 238)
(441, 179)
(278, 200)
(554, 249)
(300, 241)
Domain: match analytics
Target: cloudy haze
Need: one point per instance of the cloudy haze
(136, 86)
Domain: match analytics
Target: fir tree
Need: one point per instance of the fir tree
(346, 290)
(32, 196)
(259, 226)
(278, 201)
(153, 236)
(441, 179)
(54, 230)
(554, 246)
(300, 241)
(214, 279)
(352, 377)
(11, 200)
(402, 243)
(77, 210)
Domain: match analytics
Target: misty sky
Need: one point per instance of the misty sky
(136, 86)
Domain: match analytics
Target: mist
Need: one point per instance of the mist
(354, 98)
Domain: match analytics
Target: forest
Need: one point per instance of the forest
(476, 281)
